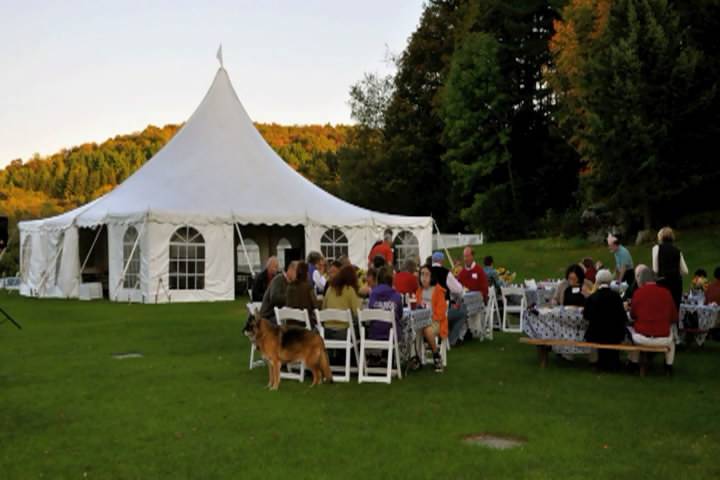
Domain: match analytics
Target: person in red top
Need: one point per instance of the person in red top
(406, 281)
(383, 249)
(712, 294)
(653, 312)
(472, 276)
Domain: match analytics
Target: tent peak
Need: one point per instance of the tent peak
(219, 56)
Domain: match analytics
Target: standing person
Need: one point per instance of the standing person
(406, 281)
(457, 314)
(384, 249)
(276, 294)
(263, 279)
(606, 318)
(300, 294)
(624, 267)
(316, 271)
(472, 276)
(653, 311)
(668, 264)
(385, 297)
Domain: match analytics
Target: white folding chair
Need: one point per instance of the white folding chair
(519, 309)
(253, 309)
(348, 344)
(492, 313)
(296, 370)
(531, 284)
(426, 355)
(390, 345)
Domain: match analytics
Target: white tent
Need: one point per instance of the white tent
(171, 230)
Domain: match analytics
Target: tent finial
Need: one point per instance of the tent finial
(219, 56)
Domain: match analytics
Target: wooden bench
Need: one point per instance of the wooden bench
(544, 346)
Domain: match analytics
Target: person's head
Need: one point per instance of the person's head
(613, 242)
(345, 277)
(575, 275)
(438, 258)
(488, 261)
(643, 275)
(603, 277)
(371, 277)
(716, 273)
(291, 270)
(468, 256)
(428, 261)
(301, 272)
(666, 235)
(345, 260)
(409, 266)
(700, 272)
(425, 276)
(388, 236)
(588, 263)
(379, 261)
(385, 275)
(335, 267)
(272, 265)
(314, 258)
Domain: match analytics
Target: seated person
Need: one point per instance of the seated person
(712, 294)
(301, 295)
(433, 297)
(492, 275)
(699, 280)
(276, 294)
(575, 286)
(316, 271)
(406, 281)
(370, 283)
(341, 295)
(590, 271)
(379, 262)
(384, 297)
(335, 267)
(457, 314)
(472, 276)
(607, 319)
(263, 279)
(653, 311)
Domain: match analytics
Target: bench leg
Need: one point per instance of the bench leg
(643, 363)
(543, 355)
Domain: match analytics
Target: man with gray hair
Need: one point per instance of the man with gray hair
(607, 318)
(653, 312)
(263, 279)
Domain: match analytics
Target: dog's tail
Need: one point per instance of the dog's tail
(325, 367)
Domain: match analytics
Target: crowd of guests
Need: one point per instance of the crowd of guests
(651, 300)
(316, 284)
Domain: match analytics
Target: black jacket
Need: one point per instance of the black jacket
(606, 314)
(260, 284)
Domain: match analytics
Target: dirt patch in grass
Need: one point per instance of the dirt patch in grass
(496, 441)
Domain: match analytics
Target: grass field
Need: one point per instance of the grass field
(190, 408)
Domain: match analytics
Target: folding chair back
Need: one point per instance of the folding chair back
(365, 317)
(294, 371)
(507, 308)
(333, 319)
(253, 308)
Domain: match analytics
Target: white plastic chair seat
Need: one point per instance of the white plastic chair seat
(348, 344)
(519, 309)
(426, 355)
(390, 345)
(294, 370)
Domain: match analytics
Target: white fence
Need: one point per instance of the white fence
(451, 240)
(10, 283)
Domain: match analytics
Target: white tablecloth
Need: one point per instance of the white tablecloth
(91, 291)
(475, 306)
(412, 322)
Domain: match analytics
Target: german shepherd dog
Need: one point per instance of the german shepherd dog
(287, 344)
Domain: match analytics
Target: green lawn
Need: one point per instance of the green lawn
(191, 409)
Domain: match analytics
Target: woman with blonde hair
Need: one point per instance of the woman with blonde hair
(669, 264)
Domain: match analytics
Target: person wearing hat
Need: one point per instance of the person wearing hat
(457, 314)
(383, 249)
(607, 319)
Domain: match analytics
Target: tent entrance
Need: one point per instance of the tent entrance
(93, 247)
(261, 242)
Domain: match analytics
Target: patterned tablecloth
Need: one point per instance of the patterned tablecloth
(475, 306)
(538, 296)
(564, 323)
(411, 323)
(708, 317)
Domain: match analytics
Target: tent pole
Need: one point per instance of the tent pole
(447, 252)
(242, 242)
(127, 264)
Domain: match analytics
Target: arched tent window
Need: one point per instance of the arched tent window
(253, 253)
(283, 244)
(26, 251)
(132, 274)
(333, 244)
(187, 260)
(406, 246)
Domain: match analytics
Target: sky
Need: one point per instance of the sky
(82, 71)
